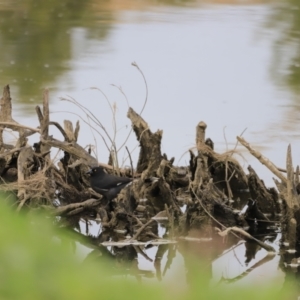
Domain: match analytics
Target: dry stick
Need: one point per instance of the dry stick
(146, 99)
(92, 117)
(95, 141)
(291, 197)
(76, 131)
(297, 176)
(145, 102)
(45, 125)
(113, 140)
(141, 229)
(111, 107)
(284, 170)
(122, 92)
(6, 117)
(262, 159)
(12, 125)
(231, 175)
(39, 114)
(224, 135)
(230, 195)
(68, 127)
(228, 250)
(247, 235)
(58, 126)
(70, 207)
(290, 176)
(136, 218)
(131, 164)
(266, 259)
(171, 220)
(140, 251)
(24, 156)
(63, 111)
(143, 133)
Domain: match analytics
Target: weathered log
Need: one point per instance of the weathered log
(150, 153)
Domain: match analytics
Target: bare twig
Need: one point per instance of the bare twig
(131, 164)
(58, 126)
(90, 115)
(262, 159)
(141, 229)
(13, 126)
(247, 236)
(63, 111)
(146, 85)
(67, 209)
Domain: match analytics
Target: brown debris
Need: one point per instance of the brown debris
(208, 186)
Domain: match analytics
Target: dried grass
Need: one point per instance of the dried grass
(39, 188)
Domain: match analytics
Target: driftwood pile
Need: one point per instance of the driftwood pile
(214, 189)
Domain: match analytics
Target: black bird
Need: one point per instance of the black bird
(106, 184)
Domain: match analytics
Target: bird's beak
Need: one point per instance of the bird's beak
(89, 172)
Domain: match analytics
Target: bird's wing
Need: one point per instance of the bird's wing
(100, 190)
(119, 183)
(113, 181)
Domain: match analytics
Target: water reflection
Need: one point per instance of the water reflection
(192, 262)
(36, 40)
(285, 18)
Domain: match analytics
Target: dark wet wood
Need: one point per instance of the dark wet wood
(150, 153)
(264, 199)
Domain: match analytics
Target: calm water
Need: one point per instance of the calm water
(228, 65)
(233, 66)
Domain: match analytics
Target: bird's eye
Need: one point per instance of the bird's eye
(94, 170)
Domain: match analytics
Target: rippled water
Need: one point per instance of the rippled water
(234, 66)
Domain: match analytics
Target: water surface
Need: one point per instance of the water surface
(235, 66)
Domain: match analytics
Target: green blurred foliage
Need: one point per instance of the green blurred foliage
(285, 19)
(36, 39)
(37, 263)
